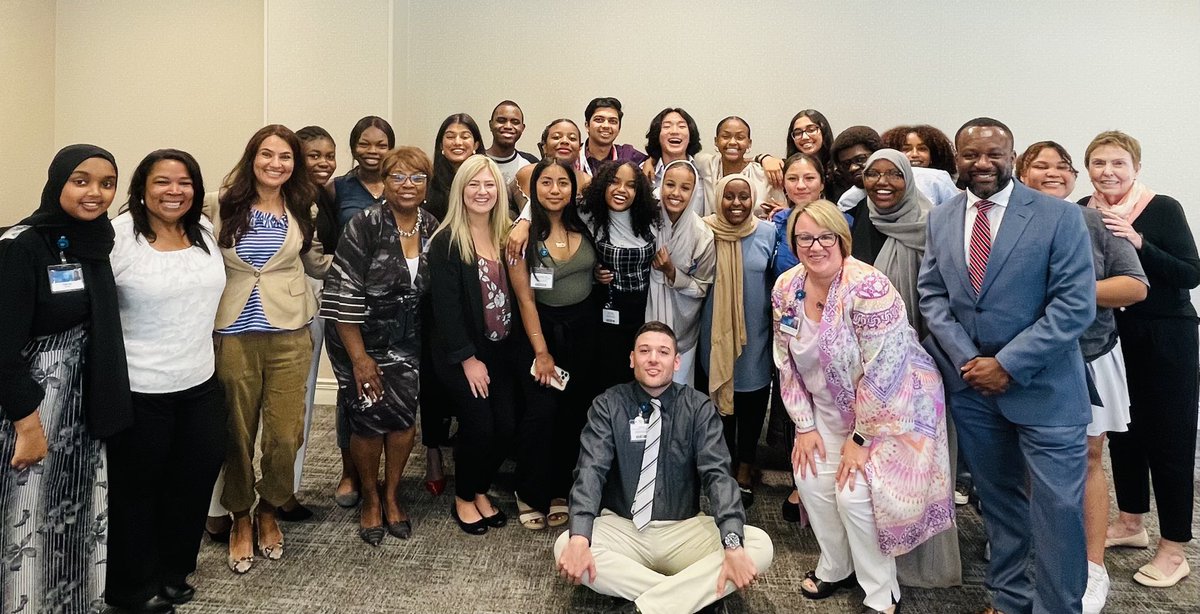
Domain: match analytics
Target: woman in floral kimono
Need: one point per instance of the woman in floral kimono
(870, 457)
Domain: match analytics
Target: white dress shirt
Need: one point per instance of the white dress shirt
(999, 202)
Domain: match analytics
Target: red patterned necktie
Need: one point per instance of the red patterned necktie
(981, 244)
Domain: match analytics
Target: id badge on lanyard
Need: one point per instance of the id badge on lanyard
(65, 276)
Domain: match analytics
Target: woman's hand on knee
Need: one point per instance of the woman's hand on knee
(808, 449)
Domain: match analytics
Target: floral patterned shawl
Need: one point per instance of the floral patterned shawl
(888, 387)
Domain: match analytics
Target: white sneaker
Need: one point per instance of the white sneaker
(961, 497)
(1096, 594)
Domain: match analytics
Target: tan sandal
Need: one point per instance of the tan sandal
(559, 513)
(530, 518)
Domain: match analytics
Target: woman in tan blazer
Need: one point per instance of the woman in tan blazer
(264, 227)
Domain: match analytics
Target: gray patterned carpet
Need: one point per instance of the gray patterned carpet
(326, 568)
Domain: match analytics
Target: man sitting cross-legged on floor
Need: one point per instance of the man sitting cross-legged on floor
(636, 530)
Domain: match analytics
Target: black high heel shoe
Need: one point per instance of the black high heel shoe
(825, 589)
(479, 527)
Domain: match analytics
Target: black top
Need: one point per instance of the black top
(867, 239)
(1169, 258)
(694, 455)
(30, 311)
(329, 229)
(458, 328)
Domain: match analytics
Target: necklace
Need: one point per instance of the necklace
(406, 234)
(563, 243)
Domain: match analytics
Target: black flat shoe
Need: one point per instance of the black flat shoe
(372, 535)
(791, 512)
(153, 605)
(825, 589)
(748, 496)
(497, 520)
(296, 514)
(401, 529)
(177, 594)
(869, 610)
(479, 527)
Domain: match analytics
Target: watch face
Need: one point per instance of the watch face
(732, 541)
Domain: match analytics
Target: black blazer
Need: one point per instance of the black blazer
(458, 305)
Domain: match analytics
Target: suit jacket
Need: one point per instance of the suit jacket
(457, 304)
(1036, 299)
(693, 455)
(287, 298)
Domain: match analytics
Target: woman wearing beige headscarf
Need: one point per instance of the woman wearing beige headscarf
(735, 329)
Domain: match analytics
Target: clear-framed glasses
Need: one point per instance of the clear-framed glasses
(399, 178)
(875, 175)
(811, 130)
(826, 239)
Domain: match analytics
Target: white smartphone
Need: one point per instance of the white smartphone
(563, 376)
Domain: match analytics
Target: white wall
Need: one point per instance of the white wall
(26, 104)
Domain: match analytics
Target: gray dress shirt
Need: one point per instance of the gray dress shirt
(693, 452)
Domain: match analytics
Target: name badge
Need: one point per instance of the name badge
(541, 278)
(788, 325)
(638, 429)
(66, 277)
(610, 316)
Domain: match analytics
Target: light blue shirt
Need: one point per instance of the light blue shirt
(752, 371)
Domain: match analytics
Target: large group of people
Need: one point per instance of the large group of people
(620, 323)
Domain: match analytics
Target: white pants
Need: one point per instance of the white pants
(317, 328)
(687, 367)
(670, 567)
(844, 524)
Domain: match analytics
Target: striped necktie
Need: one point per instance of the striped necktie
(981, 244)
(643, 498)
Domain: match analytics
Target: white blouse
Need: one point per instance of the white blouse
(168, 306)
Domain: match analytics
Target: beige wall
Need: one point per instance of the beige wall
(26, 104)
(138, 75)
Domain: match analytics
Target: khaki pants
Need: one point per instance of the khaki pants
(264, 379)
(670, 567)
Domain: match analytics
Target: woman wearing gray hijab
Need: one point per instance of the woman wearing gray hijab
(889, 233)
(889, 226)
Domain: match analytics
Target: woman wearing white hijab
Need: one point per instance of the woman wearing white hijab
(684, 264)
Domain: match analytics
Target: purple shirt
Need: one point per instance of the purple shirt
(623, 152)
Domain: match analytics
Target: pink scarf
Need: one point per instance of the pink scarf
(1131, 205)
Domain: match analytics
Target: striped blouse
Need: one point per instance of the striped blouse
(260, 243)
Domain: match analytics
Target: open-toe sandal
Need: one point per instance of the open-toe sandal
(825, 589)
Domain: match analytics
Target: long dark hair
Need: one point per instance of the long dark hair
(241, 190)
(818, 118)
(443, 170)
(539, 220)
(816, 164)
(136, 205)
(643, 211)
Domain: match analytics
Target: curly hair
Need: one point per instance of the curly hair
(136, 205)
(241, 191)
(654, 147)
(941, 150)
(643, 211)
(1033, 151)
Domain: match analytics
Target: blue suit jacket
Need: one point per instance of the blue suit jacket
(1037, 298)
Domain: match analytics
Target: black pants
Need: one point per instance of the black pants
(436, 402)
(1160, 445)
(161, 474)
(552, 420)
(486, 426)
(744, 427)
(616, 340)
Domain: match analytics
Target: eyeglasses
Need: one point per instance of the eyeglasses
(399, 179)
(806, 241)
(859, 161)
(874, 175)
(811, 130)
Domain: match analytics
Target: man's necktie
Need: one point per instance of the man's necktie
(981, 244)
(643, 498)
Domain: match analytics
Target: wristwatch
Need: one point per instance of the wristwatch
(860, 440)
(732, 541)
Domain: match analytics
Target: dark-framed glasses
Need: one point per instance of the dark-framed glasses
(826, 239)
(875, 175)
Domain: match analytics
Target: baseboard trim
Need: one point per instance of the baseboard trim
(326, 391)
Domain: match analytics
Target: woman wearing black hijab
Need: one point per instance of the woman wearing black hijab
(63, 387)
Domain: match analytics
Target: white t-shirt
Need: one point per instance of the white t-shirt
(168, 306)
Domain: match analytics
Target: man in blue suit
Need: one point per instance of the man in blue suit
(1007, 288)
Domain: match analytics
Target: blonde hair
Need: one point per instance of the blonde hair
(827, 216)
(457, 222)
(1116, 138)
